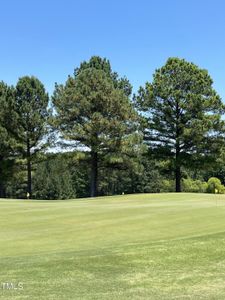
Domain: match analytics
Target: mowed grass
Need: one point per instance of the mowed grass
(148, 246)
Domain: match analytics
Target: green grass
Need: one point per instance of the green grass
(168, 246)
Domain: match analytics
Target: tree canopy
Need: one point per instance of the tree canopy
(182, 115)
(94, 110)
(169, 137)
(32, 110)
(8, 129)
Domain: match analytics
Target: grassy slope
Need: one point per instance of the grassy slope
(128, 247)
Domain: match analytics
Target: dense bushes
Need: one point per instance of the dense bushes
(213, 186)
(194, 186)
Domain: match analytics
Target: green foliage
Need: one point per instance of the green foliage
(181, 115)
(194, 186)
(53, 180)
(103, 64)
(150, 178)
(217, 169)
(215, 186)
(91, 111)
(167, 186)
(16, 185)
(8, 129)
(94, 111)
(8, 119)
(79, 170)
(32, 110)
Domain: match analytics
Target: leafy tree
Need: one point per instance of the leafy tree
(32, 109)
(94, 111)
(182, 115)
(7, 133)
(53, 180)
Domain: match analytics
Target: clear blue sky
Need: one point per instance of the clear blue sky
(49, 38)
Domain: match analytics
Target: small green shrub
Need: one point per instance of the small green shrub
(194, 186)
(167, 186)
(215, 186)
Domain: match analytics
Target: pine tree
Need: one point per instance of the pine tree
(182, 115)
(94, 111)
(32, 110)
(7, 133)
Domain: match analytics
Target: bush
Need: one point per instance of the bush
(215, 186)
(167, 186)
(194, 186)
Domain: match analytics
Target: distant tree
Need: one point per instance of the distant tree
(7, 133)
(16, 184)
(217, 169)
(32, 109)
(53, 180)
(79, 167)
(182, 115)
(94, 111)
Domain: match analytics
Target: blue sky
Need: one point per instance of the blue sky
(49, 38)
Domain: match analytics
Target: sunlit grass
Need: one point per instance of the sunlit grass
(148, 246)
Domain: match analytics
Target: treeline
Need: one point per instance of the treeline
(94, 137)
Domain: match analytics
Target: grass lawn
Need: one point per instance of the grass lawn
(148, 246)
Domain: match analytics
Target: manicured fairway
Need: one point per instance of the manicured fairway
(167, 246)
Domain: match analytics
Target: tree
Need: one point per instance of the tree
(94, 111)
(53, 180)
(7, 133)
(32, 109)
(103, 64)
(181, 115)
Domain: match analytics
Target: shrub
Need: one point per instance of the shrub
(215, 186)
(167, 186)
(194, 186)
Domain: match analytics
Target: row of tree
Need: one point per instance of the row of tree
(108, 140)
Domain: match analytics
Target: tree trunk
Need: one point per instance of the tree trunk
(177, 159)
(2, 188)
(94, 174)
(2, 191)
(178, 169)
(178, 179)
(29, 179)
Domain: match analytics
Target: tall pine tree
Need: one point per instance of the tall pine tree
(32, 110)
(93, 110)
(8, 130)
(182, 115)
